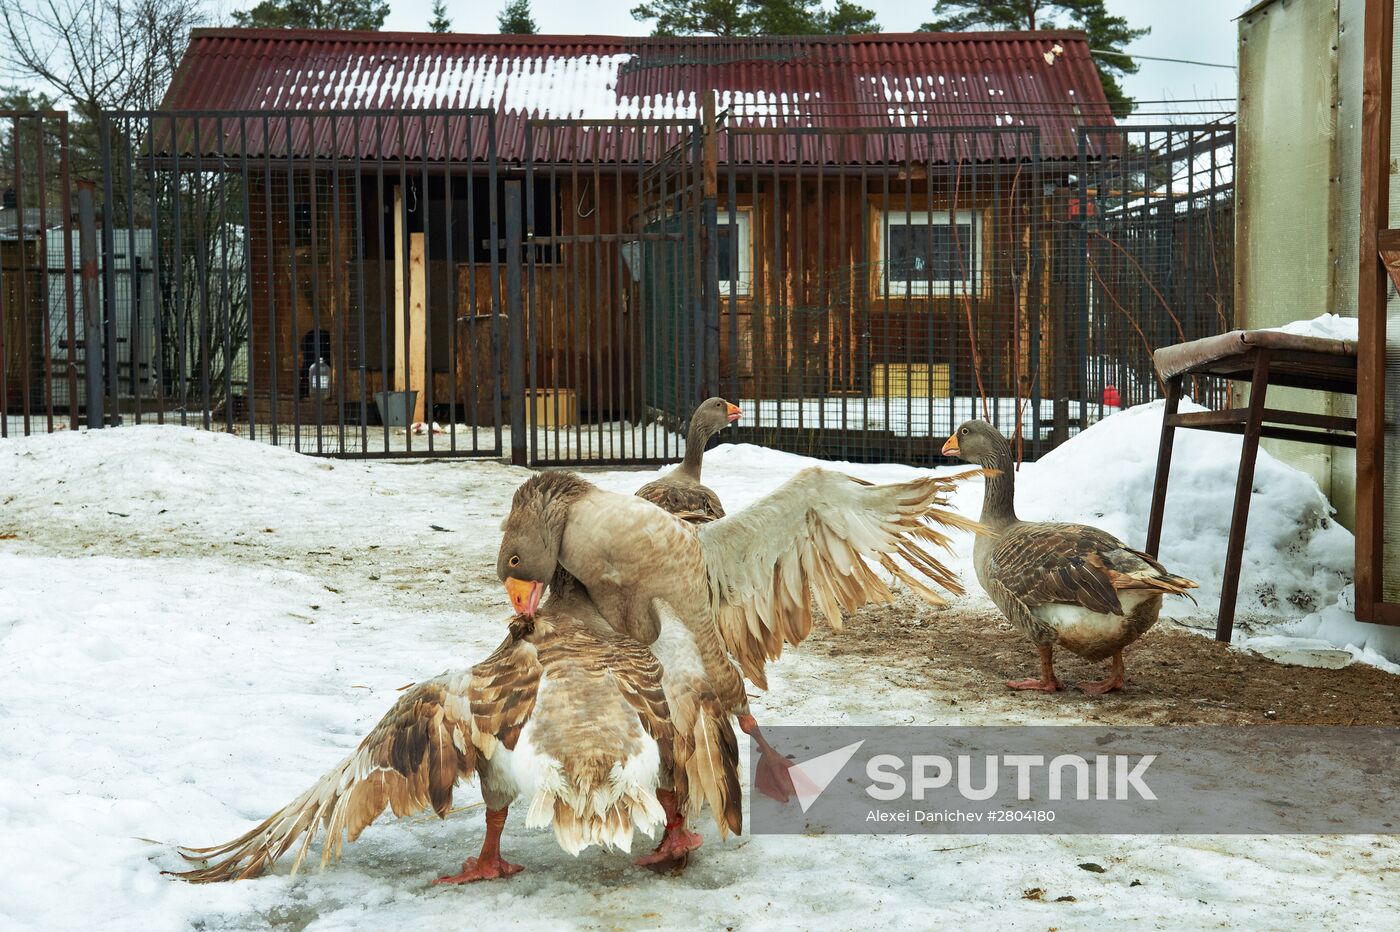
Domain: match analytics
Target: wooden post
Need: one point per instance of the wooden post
(1164, 466)
(1376, 77)
(1244, 487)
(417, 323)
(409, 330)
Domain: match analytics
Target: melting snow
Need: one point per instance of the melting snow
(195, 626)
(1330, 326)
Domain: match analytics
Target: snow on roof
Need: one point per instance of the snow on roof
(1044, 80)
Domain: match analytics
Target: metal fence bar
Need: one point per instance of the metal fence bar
(515, 312)
(887, 278)
(92, 306)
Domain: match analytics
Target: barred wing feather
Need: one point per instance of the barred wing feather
(821, 538)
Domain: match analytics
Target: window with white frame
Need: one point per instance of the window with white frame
(931, 252)
(735, 251)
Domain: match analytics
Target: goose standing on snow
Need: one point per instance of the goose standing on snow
(680, 491)
(579, 720)
(1061, 585)
(742, 586)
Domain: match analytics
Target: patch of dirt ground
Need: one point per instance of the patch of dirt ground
(1174, 676)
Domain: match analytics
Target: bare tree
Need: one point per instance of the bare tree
(98, 54)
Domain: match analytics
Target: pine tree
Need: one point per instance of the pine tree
(315, 14)
(516, 19)
(1107, 34)
(850, 19)
(695, 17)
(754, 17)
(440, 22)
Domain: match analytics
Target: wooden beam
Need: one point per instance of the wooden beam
(1377, 44)
(1292, 434)
(1202, 419)
(417, 324)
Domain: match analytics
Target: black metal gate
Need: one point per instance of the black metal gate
(383, 283)
(619, 309)
(41, 338)
(329, 281)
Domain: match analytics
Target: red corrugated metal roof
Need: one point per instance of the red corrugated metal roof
(912, 88)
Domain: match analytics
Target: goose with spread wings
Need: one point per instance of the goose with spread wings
(582, 722)
(743, 586)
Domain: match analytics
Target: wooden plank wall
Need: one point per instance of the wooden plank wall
(814, 323)
(816, 318)
(578, 301)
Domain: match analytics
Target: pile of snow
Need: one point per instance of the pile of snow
(1297, 557)
(1335, 625)
(150, 488)
(1329, 326)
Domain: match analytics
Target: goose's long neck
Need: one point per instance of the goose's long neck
(694, 450)
(999, 501)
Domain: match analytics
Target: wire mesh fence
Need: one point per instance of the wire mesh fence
(881, 285)
(41, 347)
(348, 283)
(313, 274)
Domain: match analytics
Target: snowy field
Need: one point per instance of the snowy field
(194, 627)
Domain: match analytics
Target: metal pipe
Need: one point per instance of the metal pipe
(92, 308)
(516, 323)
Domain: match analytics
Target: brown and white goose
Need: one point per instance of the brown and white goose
(582, 722)
(1061, 585)
(742, 586)
(680, 491)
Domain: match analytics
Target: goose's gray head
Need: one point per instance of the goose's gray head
(977, 442)
(714, 415)
(532, 534)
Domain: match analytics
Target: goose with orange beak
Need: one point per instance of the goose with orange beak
(1070, 586)
(535, 553)
(680, 491)
(742, 587)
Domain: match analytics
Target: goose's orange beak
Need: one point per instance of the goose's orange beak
(735, 412)
(950, 446)
(524, 595)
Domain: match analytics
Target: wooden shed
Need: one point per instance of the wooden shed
(886, 208)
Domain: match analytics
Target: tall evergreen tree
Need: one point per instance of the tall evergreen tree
(516, 19)
(440, 22)
(315, 14)
(850, 19)
(1107, 33)
(695, 17)
(754, 17)
(25, 133)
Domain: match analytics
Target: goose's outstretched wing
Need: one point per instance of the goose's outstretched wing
(431, 737)
(820, 539)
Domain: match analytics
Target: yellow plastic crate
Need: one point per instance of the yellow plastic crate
(545, 402)
(917, 380)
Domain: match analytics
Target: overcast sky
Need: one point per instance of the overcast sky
(1202, 30)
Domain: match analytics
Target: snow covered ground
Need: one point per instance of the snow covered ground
(193, 627)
